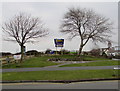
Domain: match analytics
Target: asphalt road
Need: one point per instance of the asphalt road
(78, 85)
(57, 68)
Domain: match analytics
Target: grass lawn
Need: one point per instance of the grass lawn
(83, 57)
(93, 58)
(33, 62)
(96, 63)
(59, 75)
(42, 61)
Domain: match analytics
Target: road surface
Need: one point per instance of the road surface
(77, 85)
(57, 68)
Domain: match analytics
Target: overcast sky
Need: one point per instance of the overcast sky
(51, 13)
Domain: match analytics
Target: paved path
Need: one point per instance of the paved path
(57, 68)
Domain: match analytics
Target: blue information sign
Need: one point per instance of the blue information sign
(59, 42)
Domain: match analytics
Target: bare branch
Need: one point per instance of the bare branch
(23, 27)
(87, 24)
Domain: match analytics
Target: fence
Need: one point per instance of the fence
(4, 62)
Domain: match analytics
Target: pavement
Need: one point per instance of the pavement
(53, 68)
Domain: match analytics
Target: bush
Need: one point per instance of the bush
(48, 51)
(65, 51)
(33, 52)
(95, 52)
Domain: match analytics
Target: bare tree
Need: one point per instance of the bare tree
(87, 25)
(22, 28)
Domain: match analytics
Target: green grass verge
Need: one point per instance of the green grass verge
(96, 63)
(33, 62)
(59, 75)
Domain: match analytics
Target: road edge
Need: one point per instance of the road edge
(59, 81)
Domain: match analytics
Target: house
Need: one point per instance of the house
(115, 51)
(112, 51)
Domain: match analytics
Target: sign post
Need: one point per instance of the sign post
(59, 43)
(56, 50)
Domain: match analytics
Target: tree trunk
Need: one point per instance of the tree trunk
(22, 54)
(80, 50)
(81, 47)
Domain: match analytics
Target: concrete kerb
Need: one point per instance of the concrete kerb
(60, 81)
